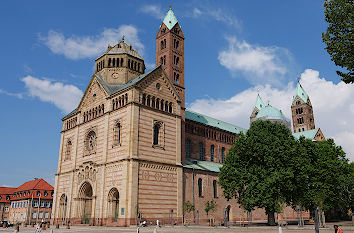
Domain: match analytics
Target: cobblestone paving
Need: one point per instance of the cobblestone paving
(181, 229)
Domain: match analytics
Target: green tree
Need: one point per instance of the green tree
(339, 37)
(209, 206)
(258, 169)
(324, 178)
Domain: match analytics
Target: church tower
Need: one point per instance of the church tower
(256, 108)
(301, 111)
(170, 52)
(119, 64)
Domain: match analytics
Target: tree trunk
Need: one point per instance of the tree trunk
(271, 219)
(317, 230)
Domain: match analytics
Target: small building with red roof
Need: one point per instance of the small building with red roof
(29, 203)
(5, 202)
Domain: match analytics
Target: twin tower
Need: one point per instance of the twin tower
(301, 111)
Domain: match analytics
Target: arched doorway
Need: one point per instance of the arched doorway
(227, 215)
(113, 204)
(63, 204)
(85, 198)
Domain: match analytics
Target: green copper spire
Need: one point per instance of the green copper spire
(301, 93)
(259, 103)
(170, 19)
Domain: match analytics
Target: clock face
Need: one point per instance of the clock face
(115, 75)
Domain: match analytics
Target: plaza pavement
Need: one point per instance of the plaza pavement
(181, 229)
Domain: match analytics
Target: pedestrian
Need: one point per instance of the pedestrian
(38, 229)
(158, 223)
(337, 229)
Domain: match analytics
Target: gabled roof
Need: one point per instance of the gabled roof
(308, 134)
(209, 121)
(112, 89)
(259, 103)
(36, 184)
(202, 165)
(301, 93)
(170, 19)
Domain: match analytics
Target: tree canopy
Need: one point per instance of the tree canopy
(257, 171)
(339, 37)
(267, 168)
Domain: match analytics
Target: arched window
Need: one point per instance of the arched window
(170, 108)
(161, 44)
(158, 103)
(114, 62)
(201, 151)
(121, 62)
(188, 148)
(117, 133)
(156, 133)
(162, 105)
(109, 62)
(153, 102)
(128, 63)
(126, 98)
(200, 187)
(148, 101)
(212, 148)
(68, 150)
(144, 99)
(166, 106)
(223, 154)
(138, 66)
(215, 189)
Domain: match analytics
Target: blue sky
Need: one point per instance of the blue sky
(233, 50)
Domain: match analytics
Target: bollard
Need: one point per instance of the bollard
(280, 230)
(138, 230)
(57, 226)
(51, 230)
(155, 230)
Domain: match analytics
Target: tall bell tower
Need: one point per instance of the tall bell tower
(170, 52)
(301, 111)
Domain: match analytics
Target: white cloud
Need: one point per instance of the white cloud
(259, 64)
(332, 104)
(216, 14)
(65, 97)
(78, 47)
(153, 10)
(18, 95)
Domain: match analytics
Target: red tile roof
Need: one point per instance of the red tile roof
(4, 191)
(31, 187)
(36, 184)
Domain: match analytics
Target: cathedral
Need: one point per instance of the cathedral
(131, 150)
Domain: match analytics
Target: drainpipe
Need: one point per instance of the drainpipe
(193, 196)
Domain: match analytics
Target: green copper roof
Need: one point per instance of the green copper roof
(170, 19)
(271, 112)
(300, 92)
(193, 116)
(309, 134)
(202, 165)
(259, 103)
